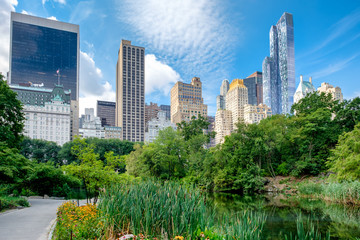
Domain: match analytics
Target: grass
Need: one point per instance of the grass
(344, 192)
(305, 230)
(166, 210)
(8, 202)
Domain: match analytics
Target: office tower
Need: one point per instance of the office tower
(130, 94)
(329, 89)
(187, 101)
(91, 126)
(157, 124)
(47, 112)
(236, 98)
(279, 68)
(223, 125)
(254, 114)
(106, 112)
(166, 109)
(210, 129)
(220, 99)
(255, 88)
(151, 111)
(303, 89)
(44, 51)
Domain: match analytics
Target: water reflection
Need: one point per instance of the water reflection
(342, 221)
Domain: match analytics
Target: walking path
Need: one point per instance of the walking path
(31, 223)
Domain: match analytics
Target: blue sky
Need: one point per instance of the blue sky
(210, 39)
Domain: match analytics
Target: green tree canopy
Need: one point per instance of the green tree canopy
(11, 116)
(39, 150)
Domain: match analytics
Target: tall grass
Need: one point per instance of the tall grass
(305, 230)
(166, 210)
(343, 192)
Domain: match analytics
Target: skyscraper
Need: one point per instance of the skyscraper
(44, 51)
(236, 98)
(187, 101)
(130, 91)
(221, 99)
(106, 112)
(303, 89)
(279, 68)
(254, 86)
(166, 109)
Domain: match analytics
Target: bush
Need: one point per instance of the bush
(7, 202)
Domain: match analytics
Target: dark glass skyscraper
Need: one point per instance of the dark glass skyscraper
(279, 68)
(106, 112)
(254, 86)
(44, 51)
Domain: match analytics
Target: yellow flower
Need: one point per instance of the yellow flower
(179, 237)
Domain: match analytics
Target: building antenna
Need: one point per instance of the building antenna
(58, 75)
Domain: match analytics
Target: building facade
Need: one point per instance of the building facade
(47, 112)
(106, 112)
(166, 109)
(187, 101)
(236, 98)
(151, 111)
(130, 91)
(330, 89)
(255, 88)
(303, 89)
(44, 51)
(112, 132)
(91, 126)
(157, 124)
(279, 68)
(254, 114)
(223, 125)
(221, 99)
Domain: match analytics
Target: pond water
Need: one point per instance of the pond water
(343, 222)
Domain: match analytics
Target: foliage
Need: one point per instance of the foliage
(11, 116)
(7, 202)
(195, 127)
(168, 209)
(340, 192)
(41, 151)
(75, 222)
(91, 170)
(345, 159)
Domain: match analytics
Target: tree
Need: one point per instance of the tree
(11, 116)
(194, 128)
(348, 114)
(345, 158)
(313, 101)
(90, 169)
(41, 151)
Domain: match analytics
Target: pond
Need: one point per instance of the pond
(343, 222)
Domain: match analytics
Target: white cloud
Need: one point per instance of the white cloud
(5, 8)
(92, 86)
(159, 76)
(59, 1)
(193, 33)
(52, 18)
(25, 12)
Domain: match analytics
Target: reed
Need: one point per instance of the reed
(165, 210)
(305, 230)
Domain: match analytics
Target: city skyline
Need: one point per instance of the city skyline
(231, 42)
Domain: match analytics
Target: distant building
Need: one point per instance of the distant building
(91, 125)
(279, 69)
(329, 89)
(211, 128)
(44, 51)
(47, 112)
(236, 98)
(151, 111)
(112, 132)
(303, 89)
(255, 88)
(106, 112)
(157, 124)
(221, 99)
(187, 101)
(166, 109)
(130, 91)
(223, 125)
(254, 114)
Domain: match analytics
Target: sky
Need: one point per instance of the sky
(210, 39)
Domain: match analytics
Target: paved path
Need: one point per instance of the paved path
(31, 223)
